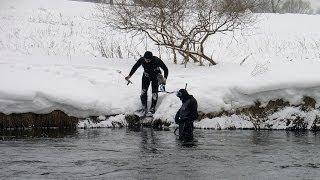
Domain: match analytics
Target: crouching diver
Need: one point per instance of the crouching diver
(186, 115)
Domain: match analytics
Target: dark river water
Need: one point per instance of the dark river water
(150, 154)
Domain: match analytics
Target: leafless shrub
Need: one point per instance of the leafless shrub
(112, 50)
(282, 6)
(297, 6)
(266, 6)
(181, 25)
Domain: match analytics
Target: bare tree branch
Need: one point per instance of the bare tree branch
(178, 24)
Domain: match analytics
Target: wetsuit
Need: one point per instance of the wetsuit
(186, 115)
(150, 75)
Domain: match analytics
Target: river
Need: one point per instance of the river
(149, 154)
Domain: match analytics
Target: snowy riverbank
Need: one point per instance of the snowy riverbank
(84, 88)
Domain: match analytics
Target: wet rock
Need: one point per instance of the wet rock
(132, 120)
(316, 124)
(166, 128)
(297, 124)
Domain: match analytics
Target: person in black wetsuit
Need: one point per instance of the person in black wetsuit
(186, 115)
(151, 74)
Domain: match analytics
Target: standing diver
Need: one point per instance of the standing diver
(186, 115)
(151, 74)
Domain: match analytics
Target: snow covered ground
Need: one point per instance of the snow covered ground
(50, 59)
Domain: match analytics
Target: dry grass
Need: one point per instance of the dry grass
(258, 113)
(56, 118)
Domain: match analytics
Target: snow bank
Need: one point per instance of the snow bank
(287, 117)
(111, 122)
(224, 122)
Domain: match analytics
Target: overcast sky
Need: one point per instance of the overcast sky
(315, 2)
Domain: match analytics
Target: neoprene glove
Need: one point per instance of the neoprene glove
(127, 78)
(164, 81)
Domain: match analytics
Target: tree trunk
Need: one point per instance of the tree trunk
(201, 54)
(208, 59)
(184, 53)
(187, 51)
(194, 58)
(174, 56)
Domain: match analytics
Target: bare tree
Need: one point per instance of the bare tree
(181, 25)
(297, 6)
(111, 2)
(261, 6)
(267, 6)
(275, 5)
